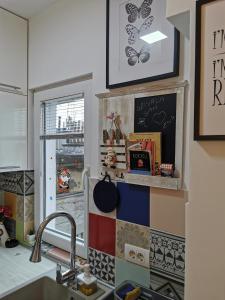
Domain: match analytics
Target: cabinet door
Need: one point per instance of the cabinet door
(13, 51)
(13, 132)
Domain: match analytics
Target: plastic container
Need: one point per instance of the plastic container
(87, 284)
(146, 294)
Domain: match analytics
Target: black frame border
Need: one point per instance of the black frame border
(176, 59)
(198, 46)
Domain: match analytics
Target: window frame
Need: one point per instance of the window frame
(85, 87)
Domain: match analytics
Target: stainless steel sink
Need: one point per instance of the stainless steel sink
(43, 289)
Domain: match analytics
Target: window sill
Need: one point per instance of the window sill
(57, 254)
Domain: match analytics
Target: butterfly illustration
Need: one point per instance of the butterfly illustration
(137, 57)
(134, 33)
(134, 12)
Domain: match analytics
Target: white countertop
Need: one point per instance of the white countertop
(16, 270)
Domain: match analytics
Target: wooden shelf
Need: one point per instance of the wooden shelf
(154, 181)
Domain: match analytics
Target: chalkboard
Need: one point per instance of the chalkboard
(158, 114)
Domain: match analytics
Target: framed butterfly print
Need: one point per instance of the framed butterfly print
(141, 44)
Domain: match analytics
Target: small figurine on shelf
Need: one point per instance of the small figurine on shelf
(110, 158)
(114, 133)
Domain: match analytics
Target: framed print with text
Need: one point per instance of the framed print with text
(210, 70)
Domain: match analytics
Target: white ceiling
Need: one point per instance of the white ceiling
(26, 8)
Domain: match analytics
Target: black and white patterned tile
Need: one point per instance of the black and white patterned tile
(167, 286)
(8, 182)
(21, 183)
(102, 266)
(25, 183)
(167, 255)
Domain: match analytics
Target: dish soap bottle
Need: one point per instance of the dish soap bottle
(87, 284)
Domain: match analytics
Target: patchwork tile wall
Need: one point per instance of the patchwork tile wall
(132, 222)
(18, 194)
(108, 233)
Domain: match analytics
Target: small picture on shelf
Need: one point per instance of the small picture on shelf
(167, 170)
(140, 162)
(150, 142)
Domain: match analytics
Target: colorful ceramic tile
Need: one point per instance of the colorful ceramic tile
(102, 232)
(134, 203)
(20, 231)
(128, 233)
(92, 206)
(20, 208)
(167, 254)
(102, 265)
(2, 196)
(10, 200)
(166, 286)
(29, 208)
(167, 211)
(28, 227)
(128, 271)
(8, 182)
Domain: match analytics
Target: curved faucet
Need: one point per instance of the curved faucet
(70, 275)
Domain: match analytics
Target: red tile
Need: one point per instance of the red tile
(102, 233)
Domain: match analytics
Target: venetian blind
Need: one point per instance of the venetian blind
(63, 117)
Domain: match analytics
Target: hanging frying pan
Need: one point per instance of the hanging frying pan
(106, 196)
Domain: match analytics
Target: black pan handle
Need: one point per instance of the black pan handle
(107, 176)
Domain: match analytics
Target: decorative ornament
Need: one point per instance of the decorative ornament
(64, 178)
(110, 158)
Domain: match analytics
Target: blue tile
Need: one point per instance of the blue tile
(128, 271)
(134, 204)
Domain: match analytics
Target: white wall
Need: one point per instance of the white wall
(68, 40)
(175, 7)
(205, 238)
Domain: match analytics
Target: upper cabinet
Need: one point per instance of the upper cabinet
(13, 52)
(13, 132)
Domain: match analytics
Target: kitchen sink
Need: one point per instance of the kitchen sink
(43, 289)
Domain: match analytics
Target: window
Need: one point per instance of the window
(62, 162)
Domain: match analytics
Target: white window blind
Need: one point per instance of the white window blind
(63, 117)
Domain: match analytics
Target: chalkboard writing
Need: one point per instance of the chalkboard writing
(158, 114)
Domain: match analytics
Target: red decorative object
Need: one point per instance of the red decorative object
(6, 210)
(64, 180)
(102, 233)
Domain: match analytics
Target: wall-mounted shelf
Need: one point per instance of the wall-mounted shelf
(122, 101)
(153, 181)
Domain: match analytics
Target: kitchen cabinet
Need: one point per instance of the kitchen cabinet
(13, 132)
(13, 52)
